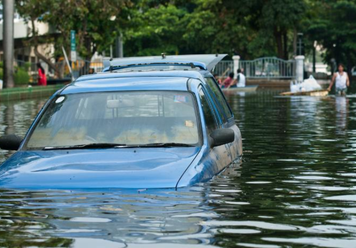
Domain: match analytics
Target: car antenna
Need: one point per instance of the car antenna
(110, 67)
(163, 55)
(216, 55)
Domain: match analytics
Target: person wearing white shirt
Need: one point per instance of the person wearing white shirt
(341, 80)
(241, 79)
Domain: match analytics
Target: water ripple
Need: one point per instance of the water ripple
(295, 188)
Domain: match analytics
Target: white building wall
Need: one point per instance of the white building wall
(23, 29)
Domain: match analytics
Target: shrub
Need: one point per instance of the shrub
(21, 76)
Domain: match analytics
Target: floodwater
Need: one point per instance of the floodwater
(296, 187)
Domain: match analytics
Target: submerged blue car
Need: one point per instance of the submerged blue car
(150, 122)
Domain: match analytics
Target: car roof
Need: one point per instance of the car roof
(202, 61)
(133, 81)
(116, 79)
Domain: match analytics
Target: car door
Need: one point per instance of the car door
(235, 148)
(218, 157)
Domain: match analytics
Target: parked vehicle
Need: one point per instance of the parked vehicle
(146, 123)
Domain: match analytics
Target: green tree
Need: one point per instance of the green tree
(180, 27)
(250, 28)
(214, 28)
(267, 28)
(97, 23)
(333, 25)
(154, 30)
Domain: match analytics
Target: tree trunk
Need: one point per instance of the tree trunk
(278, 38)
(89, 47)
(38, 54)
(349, 72)
(295, 42)
(285, 45)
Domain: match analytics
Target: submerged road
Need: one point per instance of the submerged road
(295, 188)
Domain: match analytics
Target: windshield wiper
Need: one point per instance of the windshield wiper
(116, 145)
(172, 144)
(86, 146)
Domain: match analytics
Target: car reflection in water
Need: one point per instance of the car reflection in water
(114, 218)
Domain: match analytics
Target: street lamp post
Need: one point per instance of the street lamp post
(314, 56)
(8, 43)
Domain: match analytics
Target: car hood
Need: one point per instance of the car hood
(97, 168)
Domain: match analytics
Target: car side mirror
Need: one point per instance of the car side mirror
(222, 136)
(10, 142)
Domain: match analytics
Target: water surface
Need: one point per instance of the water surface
(295, 188)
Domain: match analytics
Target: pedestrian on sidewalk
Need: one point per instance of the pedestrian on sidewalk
(341, 80)
(42, 79)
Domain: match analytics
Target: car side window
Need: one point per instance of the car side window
(209, 116)
(219, 96)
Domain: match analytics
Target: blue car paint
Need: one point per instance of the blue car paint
(157, 168)
(211, 161)
(101, 168)
(145, 74)
(128, 84)
(207, 61)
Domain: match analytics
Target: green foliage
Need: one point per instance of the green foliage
(1, 70)
(21, 75)
(155, 30)
(214, 26)
(97, 23)
(254, 29)
(250, 28)
(333, 25)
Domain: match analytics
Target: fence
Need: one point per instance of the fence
(223, 68)
(264, 68)
(268, 67)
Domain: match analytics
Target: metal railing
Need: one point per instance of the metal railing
(223, 68)
(268, 68)
(265, 68)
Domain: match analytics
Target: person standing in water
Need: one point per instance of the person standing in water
(341, 80)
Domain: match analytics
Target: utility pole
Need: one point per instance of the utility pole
(314, 56)
(8, 43)
(119, 47)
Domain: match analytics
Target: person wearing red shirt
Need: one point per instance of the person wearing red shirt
(228, 81)
(42, 79)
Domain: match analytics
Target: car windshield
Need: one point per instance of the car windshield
(139, 118)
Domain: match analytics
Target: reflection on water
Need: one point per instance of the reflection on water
(341, 107)
(295, 188)
(16, 117)
(112, 218)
